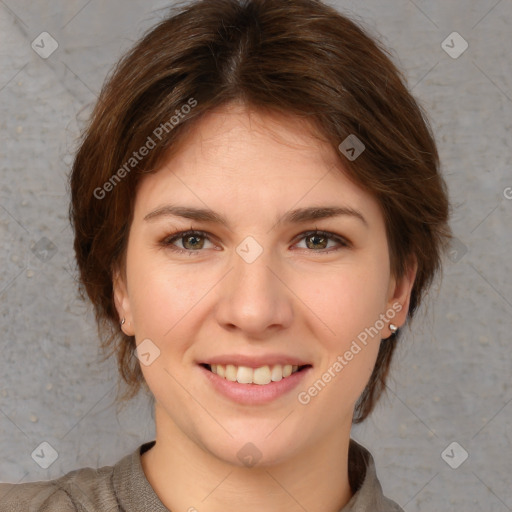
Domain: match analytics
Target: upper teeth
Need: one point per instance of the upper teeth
(246, 375)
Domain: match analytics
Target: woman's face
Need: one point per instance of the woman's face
(258, 293)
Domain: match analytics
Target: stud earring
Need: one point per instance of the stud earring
(123, 321)
(393, 328)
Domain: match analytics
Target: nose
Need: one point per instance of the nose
(254, 298)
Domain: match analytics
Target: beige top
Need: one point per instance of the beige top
(124, 488)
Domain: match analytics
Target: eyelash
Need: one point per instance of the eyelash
(167, 242)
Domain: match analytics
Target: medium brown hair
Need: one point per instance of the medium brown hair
(296, 57)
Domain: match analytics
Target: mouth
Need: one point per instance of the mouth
(260, 376)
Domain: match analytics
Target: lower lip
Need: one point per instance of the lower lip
(254, 394)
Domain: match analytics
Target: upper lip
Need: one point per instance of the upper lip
(255, 361)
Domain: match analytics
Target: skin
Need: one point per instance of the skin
(294, 299)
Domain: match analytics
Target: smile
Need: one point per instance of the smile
(252, 382)
(262, 375)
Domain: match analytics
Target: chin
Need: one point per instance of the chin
(256, 451)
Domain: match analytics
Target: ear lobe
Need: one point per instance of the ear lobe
(122, 303)
(400, 292)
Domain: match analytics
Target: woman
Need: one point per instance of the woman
(257, 209)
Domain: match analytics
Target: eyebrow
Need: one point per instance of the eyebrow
(296, 216)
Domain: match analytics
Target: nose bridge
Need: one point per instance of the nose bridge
(253, 298)
(254, 276)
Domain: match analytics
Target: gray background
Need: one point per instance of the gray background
(451, 377)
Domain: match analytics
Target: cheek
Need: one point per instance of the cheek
(346, 301)
(347, 305)
(161, 295)
(163, 299)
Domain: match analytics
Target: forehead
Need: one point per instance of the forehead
(235, 159)
(237, 132)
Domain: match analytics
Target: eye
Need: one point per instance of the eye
(192, 241)
(319, 241)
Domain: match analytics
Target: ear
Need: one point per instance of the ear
(399, 293)
(122, 302)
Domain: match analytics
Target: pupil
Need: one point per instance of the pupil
(313, 237)
(191, 237)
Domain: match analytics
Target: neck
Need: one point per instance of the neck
(189, 478)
